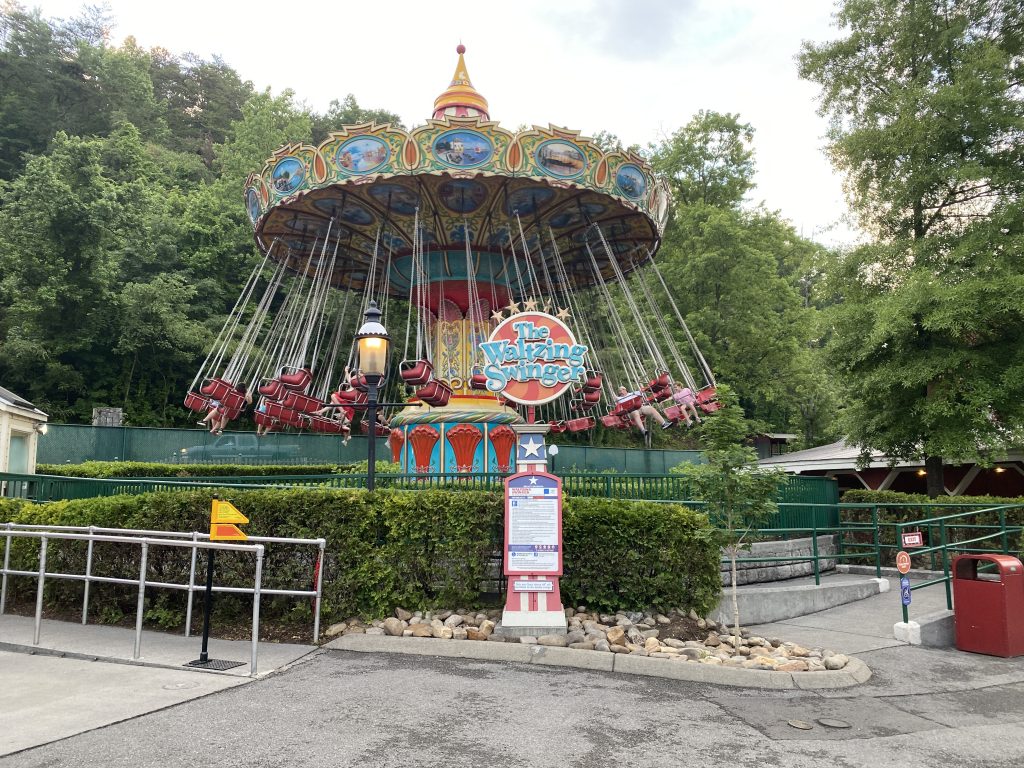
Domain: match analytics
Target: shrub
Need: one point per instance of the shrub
(422, 549)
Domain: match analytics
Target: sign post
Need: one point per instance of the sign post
(533, 555)
(223, 516)
(533, 358)
(903, 566)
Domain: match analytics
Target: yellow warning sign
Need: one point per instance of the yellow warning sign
(226, 532)
(225, 512)
(223, 516)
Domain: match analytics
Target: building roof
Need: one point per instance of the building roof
(840, 455)
(10, 399)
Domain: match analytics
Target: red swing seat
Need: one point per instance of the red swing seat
(272, 388)
(296, 378)
(263, 420)
(215, 389)
(416, 373)
(301, 402)
(661, 395)
(435, 392)
(707, 394)
(346, 395)
(628, 405)
(661, 381)
(233, 401)
(284, 415)
(478, 381)
(557, 427)
(326, 426)
(382, 429)
(592, 382)
(358, 382)
(615, 421)
(581, 424)
(196, 402)
(675, 413)
(710, 407)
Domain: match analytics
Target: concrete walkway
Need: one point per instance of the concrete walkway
(46, 696)
(83, 677)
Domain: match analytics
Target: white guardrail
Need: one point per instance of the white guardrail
(145, 539)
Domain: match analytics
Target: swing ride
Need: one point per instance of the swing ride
(523, 263)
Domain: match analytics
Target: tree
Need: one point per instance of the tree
(927, 123)
(739, 496)
(710, 160)
(738, 276)
(348, 112)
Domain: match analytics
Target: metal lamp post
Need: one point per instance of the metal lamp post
(372, 341)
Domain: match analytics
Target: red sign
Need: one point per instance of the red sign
(913, 539)
(532, 358)
(902, 562)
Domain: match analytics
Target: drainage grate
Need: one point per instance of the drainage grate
(217, 664)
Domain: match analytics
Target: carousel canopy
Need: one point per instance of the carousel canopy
(366, 189)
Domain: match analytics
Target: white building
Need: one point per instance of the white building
(21, 423)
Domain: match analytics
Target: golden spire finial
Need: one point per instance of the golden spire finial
(461, 99)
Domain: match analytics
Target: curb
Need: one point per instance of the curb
(854, 673)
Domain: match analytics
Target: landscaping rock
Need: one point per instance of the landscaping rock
(394, 626)
(616, 636)
(422, 630)
(453, 620)
(402, 614)
(836, 661)
(555, 641)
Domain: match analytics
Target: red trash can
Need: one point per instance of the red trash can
(988, 608)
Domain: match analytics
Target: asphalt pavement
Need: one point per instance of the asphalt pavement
(921, 707)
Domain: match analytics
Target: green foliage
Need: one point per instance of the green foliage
(709, 161)
(740, 496)
(748, 279)
(634, 555)
(927, 124)
(429, 548)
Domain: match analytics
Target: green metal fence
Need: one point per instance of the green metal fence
(806, 504)
(965, 528)
(74, 444)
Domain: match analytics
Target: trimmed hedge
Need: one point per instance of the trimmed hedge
(133, 469)
(913, 506)
(422, 549)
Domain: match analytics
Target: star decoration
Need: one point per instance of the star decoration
(533, 481)
(513, 307)
(497, 315)
(532, 448)
(562, 314)
(530, 305)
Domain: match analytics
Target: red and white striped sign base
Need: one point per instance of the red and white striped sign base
(533, 607)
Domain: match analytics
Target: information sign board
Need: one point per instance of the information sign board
(533, 524)
(903, 562)
(905, 590)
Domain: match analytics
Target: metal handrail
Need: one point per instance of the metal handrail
(195, 541)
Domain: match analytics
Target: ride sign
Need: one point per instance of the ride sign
(903, 562)
(532, 358)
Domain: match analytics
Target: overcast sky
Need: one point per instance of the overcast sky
(637, 68)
